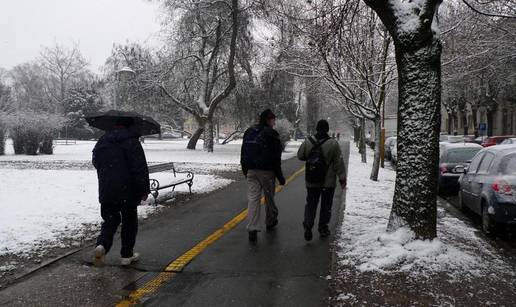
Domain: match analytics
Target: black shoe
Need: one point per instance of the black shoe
(272, 226)
(308, 234)
(324, 233)
(253, 236)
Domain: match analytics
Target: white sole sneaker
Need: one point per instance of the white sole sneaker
(100, 255)
(128, 261)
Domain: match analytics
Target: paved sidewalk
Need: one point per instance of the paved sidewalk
(281, 270)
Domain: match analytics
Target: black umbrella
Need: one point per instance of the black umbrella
(106, 121)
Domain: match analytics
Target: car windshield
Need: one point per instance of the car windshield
(460, 155)
(508, 165)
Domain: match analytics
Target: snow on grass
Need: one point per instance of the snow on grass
(365, 244)
(45, 208)
(51, 200)
(156, 151)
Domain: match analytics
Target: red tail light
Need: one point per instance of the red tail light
(443, 169)
(501, 186)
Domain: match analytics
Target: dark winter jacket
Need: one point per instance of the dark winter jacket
(273, 152)
(121, 167)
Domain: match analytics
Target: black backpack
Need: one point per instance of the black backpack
(254, 149)
(316, 166)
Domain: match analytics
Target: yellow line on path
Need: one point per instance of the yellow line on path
(178, 265)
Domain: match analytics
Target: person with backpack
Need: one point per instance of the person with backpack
(261, 164)
(324, 164)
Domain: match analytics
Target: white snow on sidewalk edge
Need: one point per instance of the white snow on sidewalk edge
(364, 243)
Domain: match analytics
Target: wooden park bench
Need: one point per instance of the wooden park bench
(155, 185)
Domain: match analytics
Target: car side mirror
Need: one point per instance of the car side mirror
(459, 169)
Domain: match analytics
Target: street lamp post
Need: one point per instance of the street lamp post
(123, 74)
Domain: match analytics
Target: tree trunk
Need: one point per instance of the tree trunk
(450, 123)
(362, 148)
(490, 122)
(465, 123)
(377, 149)
(209, 135)
(2, 141)
(201, 125)
(419, 119)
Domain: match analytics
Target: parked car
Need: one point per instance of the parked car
(495, 140)
(450, 156)
(488, 186)
(394, 150)
(508, 141)
(387, 147)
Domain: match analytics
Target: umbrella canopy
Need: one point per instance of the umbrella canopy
(109, 120)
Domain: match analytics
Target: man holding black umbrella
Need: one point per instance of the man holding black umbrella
(123, 183)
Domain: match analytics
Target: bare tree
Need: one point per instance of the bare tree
(198, 74)
(357, 65)
(63, 67)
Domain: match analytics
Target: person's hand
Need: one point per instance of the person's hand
(144, 197)
(281, 181)
(343, 183)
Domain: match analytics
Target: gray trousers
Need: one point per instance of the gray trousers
(260, 182)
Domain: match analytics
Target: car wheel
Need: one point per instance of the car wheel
(488, 225)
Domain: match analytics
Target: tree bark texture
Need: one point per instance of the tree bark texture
(415, 195)
(192, 143)
(2, 141)
(362, 144)
(209, 136)
(377, 148)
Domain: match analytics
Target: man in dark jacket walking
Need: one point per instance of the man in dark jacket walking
(325, 187)
(123, 183)
(261, 164)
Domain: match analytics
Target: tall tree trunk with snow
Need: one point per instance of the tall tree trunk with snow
(377, 145)
(201, 124)
(209, 136)
(413, 26)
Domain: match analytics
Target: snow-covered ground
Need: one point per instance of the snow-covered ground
(365, 245)
(155, 151)
(47, 201)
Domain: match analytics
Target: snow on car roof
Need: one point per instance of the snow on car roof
(502, 148)
(459, 145)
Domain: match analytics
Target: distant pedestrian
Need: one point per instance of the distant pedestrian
(123, 183)
(324, 164)
(261, 164)
(338, 136)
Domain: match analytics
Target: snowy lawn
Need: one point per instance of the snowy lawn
(46, 208)
(51, 200)
(156, 151)
(366, 252)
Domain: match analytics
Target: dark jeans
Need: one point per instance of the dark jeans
(312, 199)
(113, 214)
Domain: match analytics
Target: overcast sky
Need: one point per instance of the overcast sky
(27, 25)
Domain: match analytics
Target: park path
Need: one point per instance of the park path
(197, 254)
